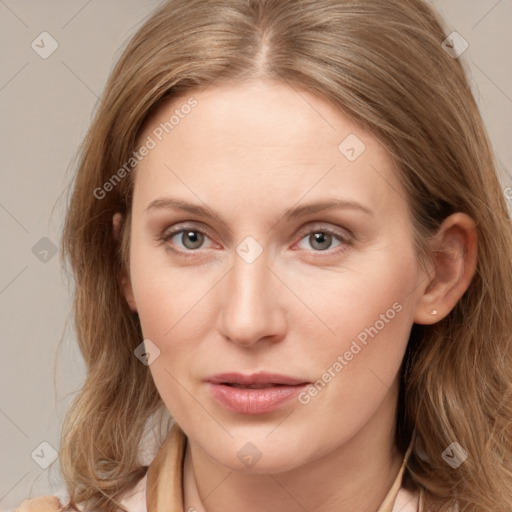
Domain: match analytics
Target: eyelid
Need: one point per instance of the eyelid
(184, 226)
(324, 227)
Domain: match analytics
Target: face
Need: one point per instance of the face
(236, 268)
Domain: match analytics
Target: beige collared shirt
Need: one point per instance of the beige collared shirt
(161, 489)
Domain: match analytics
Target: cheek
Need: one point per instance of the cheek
(369, 312)
(166, 296)
(375, 292)
(173, 312)
(174, 309)
(172, 317)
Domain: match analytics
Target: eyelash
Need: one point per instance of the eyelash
(345, 242)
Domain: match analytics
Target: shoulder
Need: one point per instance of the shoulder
(41, 504)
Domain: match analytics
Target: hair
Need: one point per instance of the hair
(380, 63)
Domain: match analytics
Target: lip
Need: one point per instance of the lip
(278, 390)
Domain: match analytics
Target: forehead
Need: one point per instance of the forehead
(259, 141)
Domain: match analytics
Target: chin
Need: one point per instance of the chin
(254, 451)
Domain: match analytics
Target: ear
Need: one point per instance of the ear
(454, 251)
(123, 278)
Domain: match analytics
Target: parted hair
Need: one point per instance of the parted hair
(382, 64)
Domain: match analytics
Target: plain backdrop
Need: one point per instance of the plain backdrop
(46, 106)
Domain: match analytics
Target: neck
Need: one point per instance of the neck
(355, 477)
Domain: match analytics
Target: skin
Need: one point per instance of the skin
(249, 152)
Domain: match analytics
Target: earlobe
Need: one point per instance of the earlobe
(454, 251)
(123, 279)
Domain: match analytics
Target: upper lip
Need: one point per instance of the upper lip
(254, 378)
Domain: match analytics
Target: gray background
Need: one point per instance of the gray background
(46, 106)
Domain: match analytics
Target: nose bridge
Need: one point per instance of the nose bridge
(249, 313)
(249, 285)
(250, 279)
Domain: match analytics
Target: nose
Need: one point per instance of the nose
(251, 312)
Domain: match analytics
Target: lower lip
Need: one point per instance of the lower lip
(254, 401)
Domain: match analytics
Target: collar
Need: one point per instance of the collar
(165, 475)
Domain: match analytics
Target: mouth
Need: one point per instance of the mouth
(254, 394)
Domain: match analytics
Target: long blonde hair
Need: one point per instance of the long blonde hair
(380, 62)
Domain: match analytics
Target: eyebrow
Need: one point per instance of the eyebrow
(322, 206)
(289, 214)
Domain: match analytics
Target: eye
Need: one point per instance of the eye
(191, 239)
(185, 239)
(320, 240)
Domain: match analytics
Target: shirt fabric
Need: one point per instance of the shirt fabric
(161, 488)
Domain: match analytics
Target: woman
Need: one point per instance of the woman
(288, 233)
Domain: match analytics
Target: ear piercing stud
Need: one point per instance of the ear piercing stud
(434, 312)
